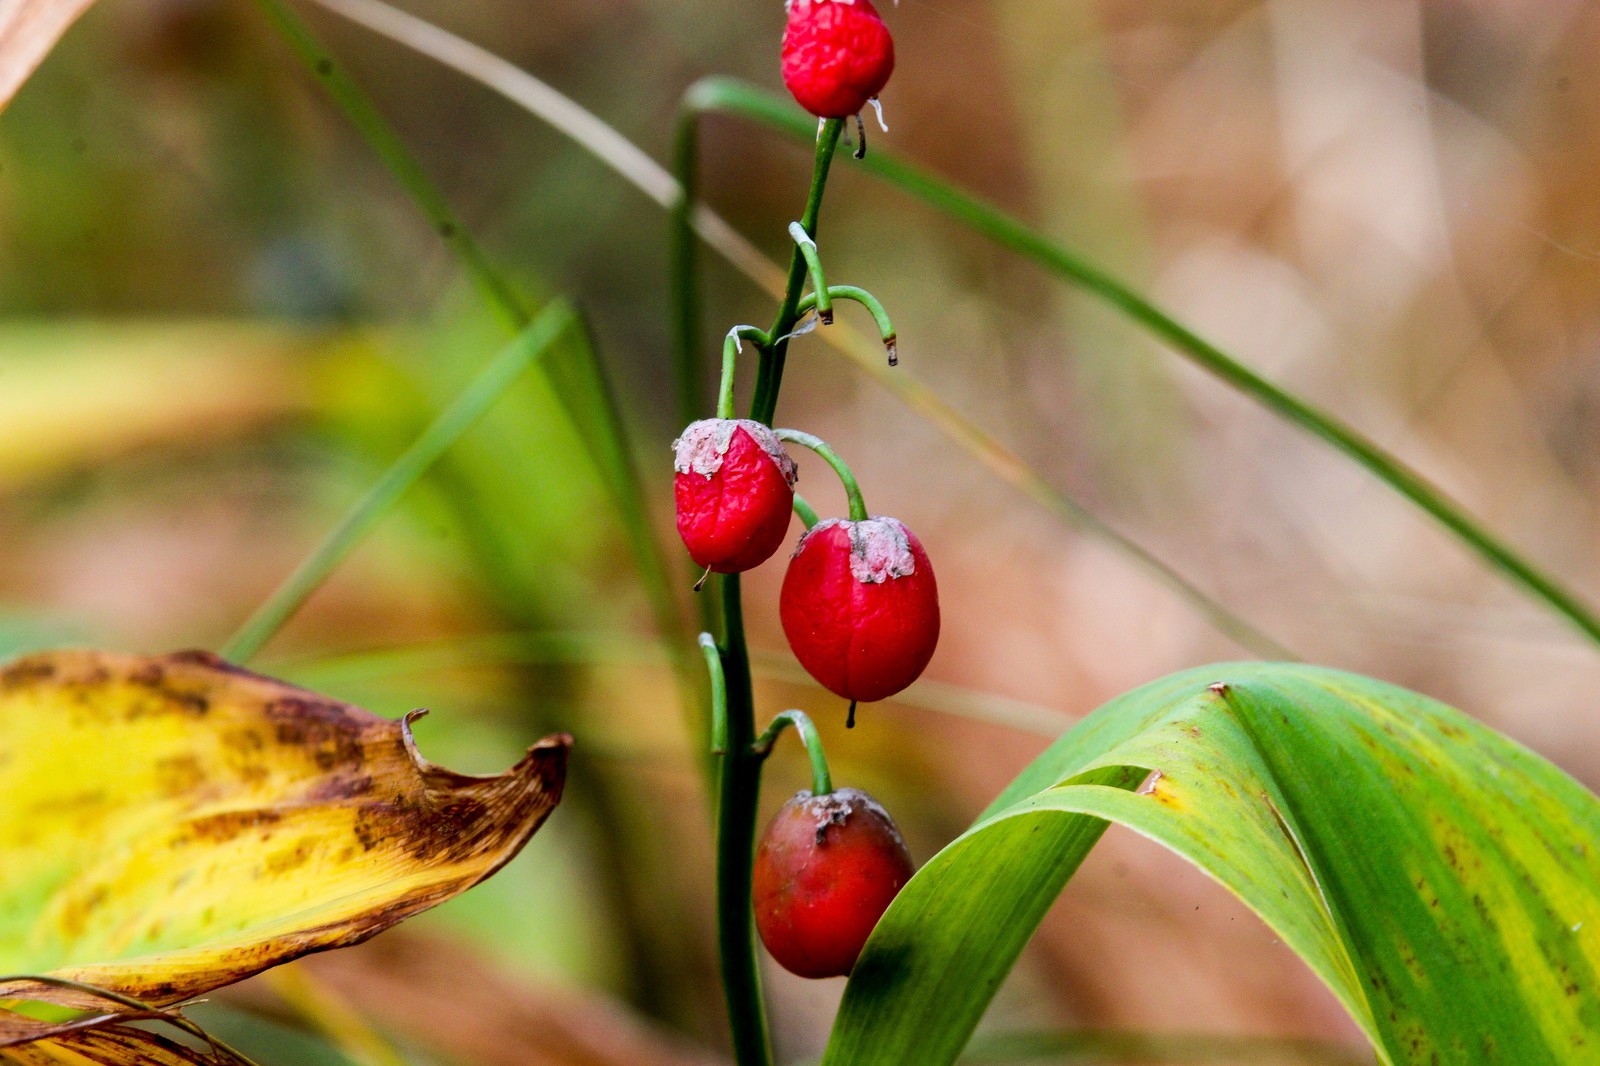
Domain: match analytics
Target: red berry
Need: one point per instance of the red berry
(734, 490)
(860, 607)
(826, 869)
(837, 54)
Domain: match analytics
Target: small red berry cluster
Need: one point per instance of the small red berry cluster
(859, 603)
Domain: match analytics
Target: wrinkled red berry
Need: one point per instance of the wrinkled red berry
(735, 490)
(826, 869)
(837, 54)
(860, 607)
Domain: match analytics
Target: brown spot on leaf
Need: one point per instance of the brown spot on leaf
(340, 788)
(28, 671)
(320, 729)
(179, 774)
(149, 673)
(226, 825)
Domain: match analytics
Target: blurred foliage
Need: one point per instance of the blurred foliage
(222, 319)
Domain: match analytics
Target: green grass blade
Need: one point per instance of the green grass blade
(452, 422)
(733, 97)
(1441, 880)
(1016, 472)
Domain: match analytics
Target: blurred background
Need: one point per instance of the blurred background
(220, 318)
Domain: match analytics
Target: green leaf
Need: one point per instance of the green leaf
(1440, 879)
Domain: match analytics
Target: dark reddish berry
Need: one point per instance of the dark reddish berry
(860, 607)
(837, 55)
(826, 869)
(734, 490)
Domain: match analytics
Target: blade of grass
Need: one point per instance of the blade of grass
(445, 430)
(768, 109)
(631, 163)
(586, 395)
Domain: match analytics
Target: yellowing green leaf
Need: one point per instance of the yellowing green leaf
(1443, 881)
(173, 824)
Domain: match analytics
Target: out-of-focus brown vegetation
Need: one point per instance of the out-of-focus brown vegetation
(221, 317)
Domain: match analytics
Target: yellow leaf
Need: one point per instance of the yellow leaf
(173, 824)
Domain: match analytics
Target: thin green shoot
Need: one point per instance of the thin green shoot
(852, 489)
(821, 782)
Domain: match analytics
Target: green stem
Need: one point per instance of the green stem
(730, 348)
(819, 284)
(821, 782)
(719, 694)
(684, 280)
(870, 302)
(807, 513)
(730, 352)
(852, 491)
(769, 378)
(738, 790)
(739, 769)
(490, 384)
(683, 285)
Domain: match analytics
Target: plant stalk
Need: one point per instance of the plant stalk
(738, 790)
(769, 377)
(739, 768)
